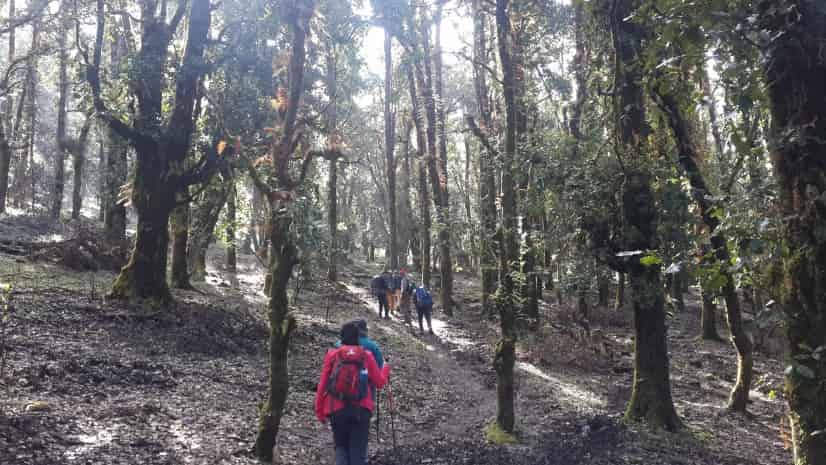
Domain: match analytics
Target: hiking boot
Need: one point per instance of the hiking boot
(431, 332)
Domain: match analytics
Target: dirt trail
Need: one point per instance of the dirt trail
(445, 391)
(436, 395)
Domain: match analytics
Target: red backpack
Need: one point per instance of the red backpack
(346, 382)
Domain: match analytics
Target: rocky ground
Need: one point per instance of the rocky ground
(88, 381)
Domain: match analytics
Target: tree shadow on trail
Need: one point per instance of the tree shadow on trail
(571, 444)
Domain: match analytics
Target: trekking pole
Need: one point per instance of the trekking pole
(391, 407)
(378, 414)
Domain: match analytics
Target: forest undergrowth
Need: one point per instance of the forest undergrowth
(91, 381)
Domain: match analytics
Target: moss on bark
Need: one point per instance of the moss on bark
(282, 323)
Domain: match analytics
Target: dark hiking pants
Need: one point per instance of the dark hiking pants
(424, 312)
(382, 298)
(351, 428)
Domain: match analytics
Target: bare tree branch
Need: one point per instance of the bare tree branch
(93, 77)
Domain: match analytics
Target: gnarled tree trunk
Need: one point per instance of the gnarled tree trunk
(283, 251)
(795, 70)
(161, 144)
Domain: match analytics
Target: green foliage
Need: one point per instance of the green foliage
(309, 232)
(650, 260)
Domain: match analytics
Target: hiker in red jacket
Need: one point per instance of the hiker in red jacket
(343, 395)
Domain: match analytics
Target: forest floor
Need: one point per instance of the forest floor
(89, 381)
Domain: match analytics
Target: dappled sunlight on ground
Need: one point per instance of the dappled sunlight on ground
(451, 334)
(566, 391)
(88, 442)
(184, 436)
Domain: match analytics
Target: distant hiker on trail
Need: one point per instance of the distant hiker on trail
(379, 288)
(398, 285)
(408, 288)
(424, 306)
(390, 292)
(342, 396)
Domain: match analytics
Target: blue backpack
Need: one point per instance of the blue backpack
(423, 297)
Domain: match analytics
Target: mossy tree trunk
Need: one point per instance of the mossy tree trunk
(5, 162)
(424, 214)
(575, 128)
(117, 153)
(232, 199)
(487, 159)
(443, 205)
(144, 276)
(795, 70)
(5, 149)
(62, 99)
(282, 323)
(330, 122)
(603, 289)
(23, 170)
(389, 152)
(180, 238)
(531, 289)
(332, 221)
(279, 187)
(77, 147)
(102, 200)
(505, 354)
(407, 225)
(114, 214)
(651, 394)
(428, 73)
(203, 219)
(689, 157)
(161, 141)
(421, 170)
(708, 317)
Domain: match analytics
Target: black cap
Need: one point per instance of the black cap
(349, 334)
(362, 326)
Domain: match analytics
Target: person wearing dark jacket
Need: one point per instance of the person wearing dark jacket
(424, 307)
(379, 288)
(349, 419)
(390, 294)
